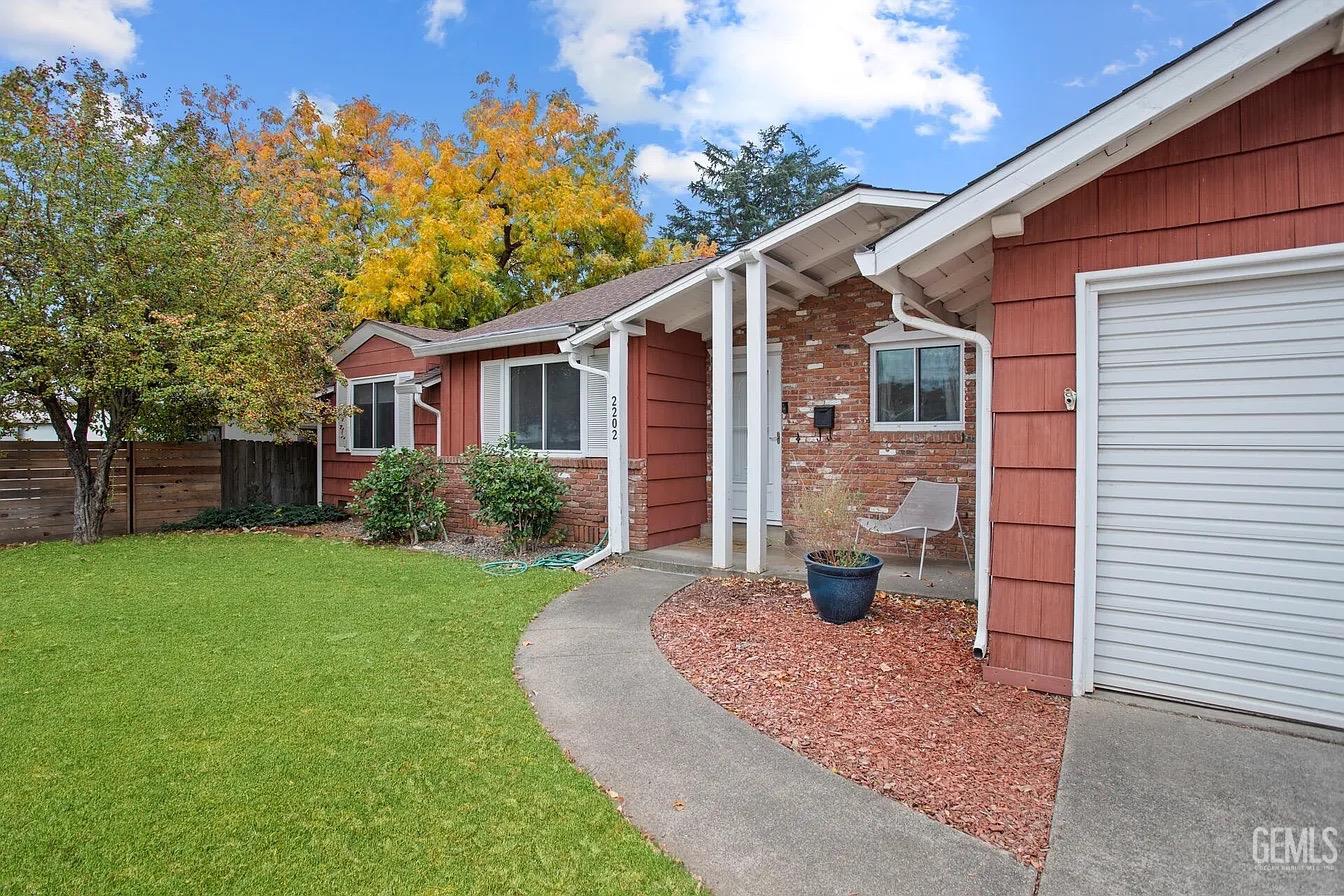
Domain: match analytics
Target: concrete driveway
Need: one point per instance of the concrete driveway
(1153, 801)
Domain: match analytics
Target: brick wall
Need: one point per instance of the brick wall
(584, 517)
(825, 361)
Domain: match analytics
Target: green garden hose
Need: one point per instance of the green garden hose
(556, 560)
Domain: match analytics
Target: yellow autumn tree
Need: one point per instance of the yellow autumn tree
(319, 170)
(534, 199)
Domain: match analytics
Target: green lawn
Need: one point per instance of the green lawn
(263, 714)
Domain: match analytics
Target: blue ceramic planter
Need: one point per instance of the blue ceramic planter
(842, 593)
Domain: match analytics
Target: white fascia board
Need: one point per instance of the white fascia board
(494, 340)
(366, 331)
(1182, 82)
(903, 199)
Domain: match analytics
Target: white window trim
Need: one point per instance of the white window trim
(507, 394)
(350, 391)
(887, 339)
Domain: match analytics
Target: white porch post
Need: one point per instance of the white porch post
(721, 406)
(757, 397)
(618, 446)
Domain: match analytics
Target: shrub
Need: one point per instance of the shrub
(516, 489)
(397, 500)
(259, 513)
(828, 521)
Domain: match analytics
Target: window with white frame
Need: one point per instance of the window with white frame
(915, 382)
(545, 405)
(375, 426)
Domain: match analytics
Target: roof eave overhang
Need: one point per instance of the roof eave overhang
(494, 340)
(1233, 65)
(903, 199)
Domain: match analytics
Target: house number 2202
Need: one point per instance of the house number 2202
(615, 419)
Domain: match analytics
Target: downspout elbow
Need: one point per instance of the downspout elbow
(984, 378)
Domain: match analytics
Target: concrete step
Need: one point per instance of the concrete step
(774, 535)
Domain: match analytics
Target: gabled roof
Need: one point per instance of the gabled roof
(561, 317)
(948, 243)
(402, 334)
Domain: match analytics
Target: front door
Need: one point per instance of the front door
(774, 422)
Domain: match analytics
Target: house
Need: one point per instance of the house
(1149, 302)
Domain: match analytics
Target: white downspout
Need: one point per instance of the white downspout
(984, 433)
(415, 390)
(571, 355)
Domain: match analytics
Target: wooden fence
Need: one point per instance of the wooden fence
(152, 484)
(273, 472)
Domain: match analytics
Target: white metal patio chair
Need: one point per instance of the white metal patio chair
(929, 507)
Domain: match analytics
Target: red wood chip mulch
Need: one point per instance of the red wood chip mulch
(894, 701)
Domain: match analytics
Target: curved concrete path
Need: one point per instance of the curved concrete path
(756, 818)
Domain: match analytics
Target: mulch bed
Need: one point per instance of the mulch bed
(894, 701)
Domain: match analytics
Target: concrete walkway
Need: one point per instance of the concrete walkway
(745, 814)
(1156, 801)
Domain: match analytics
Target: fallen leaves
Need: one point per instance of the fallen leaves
(893, 701)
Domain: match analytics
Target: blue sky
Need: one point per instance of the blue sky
(923, 94)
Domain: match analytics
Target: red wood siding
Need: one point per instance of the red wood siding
(376, 357)
(1266, 173)
(672, 373)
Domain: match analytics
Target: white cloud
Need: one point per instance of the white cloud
(326, 105)
(1145, 13)
(1139, 59)
(667, 170)
(926, 129)
(33, 30)
(730, 67)
(437, 15)
(854, 159)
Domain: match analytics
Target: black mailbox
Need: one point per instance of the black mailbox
(823, 416)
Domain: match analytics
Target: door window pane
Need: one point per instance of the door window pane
(385, 414)
(940, 383)
(563, 419)
(895, 385)
(363, 422)
(525, 402)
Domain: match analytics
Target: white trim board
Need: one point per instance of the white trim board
(1089, 288)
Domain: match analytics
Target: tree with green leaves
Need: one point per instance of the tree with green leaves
(140, 296)
(742, 194)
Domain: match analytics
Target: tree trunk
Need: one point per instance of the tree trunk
(91, 493)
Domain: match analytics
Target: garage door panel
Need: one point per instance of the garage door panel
(1213, 691)
(1129, 565)
(1253, 391)
(1292, 652)
(1316, 618)
(1219, 527)
(1182, 461)
(1324, 533)
(1229, 341)
(1170, 374)
(1297, 557)
(1306, 686)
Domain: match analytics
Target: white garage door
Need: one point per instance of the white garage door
(1220, 495)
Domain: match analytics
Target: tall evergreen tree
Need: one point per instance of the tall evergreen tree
(744, 193)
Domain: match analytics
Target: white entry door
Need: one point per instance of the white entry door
(774, 422)
(1219, 553)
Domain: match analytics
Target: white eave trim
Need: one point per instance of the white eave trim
(1266, 33)
(366, 331)
(494, 340)
(902, 199)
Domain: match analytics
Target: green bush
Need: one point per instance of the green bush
(398, 499)
(259, 513)
(516, 489)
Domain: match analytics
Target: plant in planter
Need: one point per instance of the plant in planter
(841, 578)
